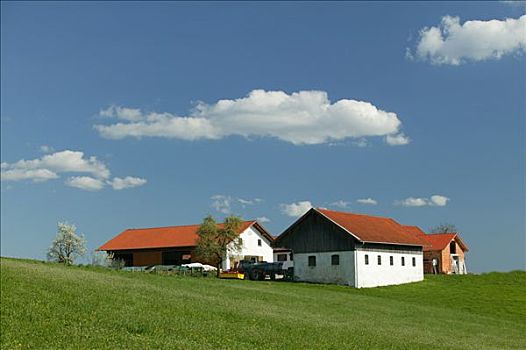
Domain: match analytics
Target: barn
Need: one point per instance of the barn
(444, 252)
(352, 249)
(174, 245)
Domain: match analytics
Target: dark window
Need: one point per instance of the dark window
(403, 261)
(335, 259)
(414, 261)
(366, 259)
(312, 260)
(452, 248)
(259, 243)
(291, 257)
(379, 260)
(391, 260)
(282, 257)
(127, 258)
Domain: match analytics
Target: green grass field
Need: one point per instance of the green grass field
(49, 306)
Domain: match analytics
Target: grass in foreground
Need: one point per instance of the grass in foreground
(49, 306)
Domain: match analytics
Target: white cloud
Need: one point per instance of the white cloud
(128, 182)
(340, 204)
(439, 200)
(305, 117)
(245, 202)
(397, 140)
(514, 3)
(37, 175)
(129, 114)
(454, 43)
(263, 219)
(46, 149)
(436, 200)
(49, 167)
(86, 183)
(222, 203)
(296, 209)
(58, 162)
(368, 201)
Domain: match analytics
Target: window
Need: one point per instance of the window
(259, 243)
(282, 257)
(391, 260)
(335, 259)
(366, 259)
(414, 261)
(291, 257)
(379, 260)
(312, 260)
(403, 261)
(452, 248)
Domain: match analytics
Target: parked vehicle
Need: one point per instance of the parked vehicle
(258, 271)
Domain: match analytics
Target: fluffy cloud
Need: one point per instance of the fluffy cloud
(305, 117)
(439, 201)
(128, 182)
(296, 209)
(368, 201)
(49, 167)
(86, 183)
(43, 168)
(455, 43)
(435, 200)
(263, 219)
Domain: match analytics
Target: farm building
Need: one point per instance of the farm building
(174, 245)
(352, 249)
(444, 253)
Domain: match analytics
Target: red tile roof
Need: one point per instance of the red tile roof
(376, 229)
(162, 237)
(440, 241)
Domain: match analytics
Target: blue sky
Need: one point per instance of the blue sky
(352, 101)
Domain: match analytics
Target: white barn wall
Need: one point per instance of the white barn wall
(250, 247)
(374, 275)
(324, 271)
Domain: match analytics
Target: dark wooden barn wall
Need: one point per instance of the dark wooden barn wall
(315, 233)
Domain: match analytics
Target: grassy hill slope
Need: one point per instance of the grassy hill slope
(49, 306)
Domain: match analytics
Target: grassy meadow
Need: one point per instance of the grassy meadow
(50, 306)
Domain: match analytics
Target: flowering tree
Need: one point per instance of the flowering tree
(67, 245)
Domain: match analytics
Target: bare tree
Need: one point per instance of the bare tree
(444, 228)
(67, 245)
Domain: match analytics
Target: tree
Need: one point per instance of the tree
(444, 228)
(67, 245)
(214, 242)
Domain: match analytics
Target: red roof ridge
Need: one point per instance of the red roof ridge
(174, 226)
(353, 213)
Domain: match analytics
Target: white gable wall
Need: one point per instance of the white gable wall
(250, 247)
(374, 275)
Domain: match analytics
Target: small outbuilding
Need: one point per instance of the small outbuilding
(352, 249)
(443, 253)
(174, 245)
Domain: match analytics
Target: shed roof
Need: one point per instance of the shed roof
(166, 237)
(373, 229)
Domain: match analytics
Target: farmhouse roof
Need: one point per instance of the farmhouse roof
(372, 229)
(166, 237)
(440, 241)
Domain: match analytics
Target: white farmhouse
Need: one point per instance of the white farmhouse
(352, 249)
